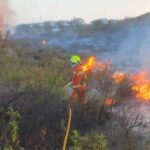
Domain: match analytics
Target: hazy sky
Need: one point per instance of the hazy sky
(40, 10)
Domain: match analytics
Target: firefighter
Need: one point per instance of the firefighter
(78, 82)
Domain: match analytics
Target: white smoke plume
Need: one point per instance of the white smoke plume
(145, 52)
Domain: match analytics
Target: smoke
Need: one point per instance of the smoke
(145, 52)
(132, 53)
(5, 14)
(135, 49)
(127, 45)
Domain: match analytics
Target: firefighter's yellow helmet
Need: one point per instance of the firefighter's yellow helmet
(75, 59)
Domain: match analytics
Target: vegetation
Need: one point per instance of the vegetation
(95, 142)
(33, 104)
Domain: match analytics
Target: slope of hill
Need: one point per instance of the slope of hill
(127, 40)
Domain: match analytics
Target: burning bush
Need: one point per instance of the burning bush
(142, 86)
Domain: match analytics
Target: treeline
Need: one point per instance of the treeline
(77, 25)
(51, 28)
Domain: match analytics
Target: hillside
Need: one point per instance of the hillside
(34, 99)
(109, 39)
(34, 104)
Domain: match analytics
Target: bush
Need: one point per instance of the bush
(88, 142)
(9, 137)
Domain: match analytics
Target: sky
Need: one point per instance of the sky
(26, 11)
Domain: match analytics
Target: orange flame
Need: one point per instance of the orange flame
(110, 102)
(89, 64)
(118, 77)
(142, 86)
(44, 42)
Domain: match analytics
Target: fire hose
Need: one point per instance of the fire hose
(70, 83)
(69, 122)
(67, 130)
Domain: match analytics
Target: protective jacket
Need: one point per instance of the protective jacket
(79, 85)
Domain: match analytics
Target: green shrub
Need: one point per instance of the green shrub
(9, 137)
(88, 142)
